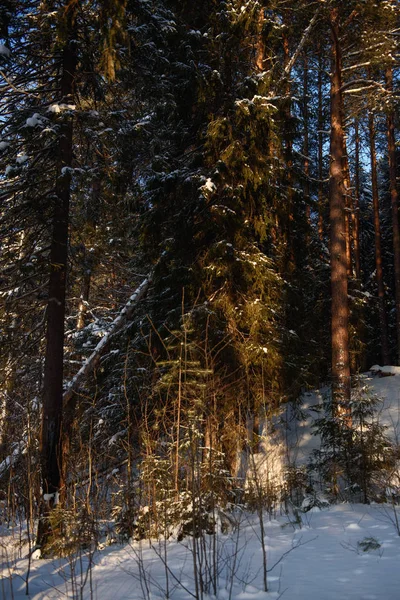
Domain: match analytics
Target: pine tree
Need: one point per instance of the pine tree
(340, 309)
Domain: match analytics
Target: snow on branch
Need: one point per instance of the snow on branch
(364, 83)
(93, 360)
(299, 48)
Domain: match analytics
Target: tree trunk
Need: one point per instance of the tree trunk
(53, 366)
(395, 206)
(289, 257)
(306, 140)
(6, 402)
(356, 211)
(260, 47)
(320, 151)
(85, 292)
(378, 252)
(337, 197)
(348, 210)
(89, 258)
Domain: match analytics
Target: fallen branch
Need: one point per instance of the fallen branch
(93, 360)
(303, 40)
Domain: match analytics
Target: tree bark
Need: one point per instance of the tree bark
(337, 197)
(356, 211)
(348, 210)
(260, 47)
(289, 258)
(395, 206)
(378, 252)
(306, 140)
(320, 150)
(53, 366)
(89, 258)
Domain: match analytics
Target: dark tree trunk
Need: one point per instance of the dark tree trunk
(337, 196)
(89, 258)
(289, 258)
(306, 140)
(378, 252)
(53, 366)
(349, 209)
(395, 206)
(356, 211)
(320, 151)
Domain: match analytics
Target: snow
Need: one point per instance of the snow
(34, 120)
(323, 557)
(57, 108)
(4, 145)
(4, 51)
(55, 496)
(209, 186)
(316, 552)
(392, 370)
(54, 108)
(66, 171)
(21, 159)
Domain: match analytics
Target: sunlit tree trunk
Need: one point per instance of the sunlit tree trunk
(337, 196)
(260, 46)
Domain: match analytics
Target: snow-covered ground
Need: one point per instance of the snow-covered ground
(345, 551)
(325, 561)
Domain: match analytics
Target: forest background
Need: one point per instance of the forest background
(199, 221)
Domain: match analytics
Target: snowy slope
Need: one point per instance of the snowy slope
(319, 556)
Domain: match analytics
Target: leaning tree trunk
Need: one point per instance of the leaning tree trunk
(378, 250)
(337, 197)
(71, 392)
(53, 365)
(395, 206)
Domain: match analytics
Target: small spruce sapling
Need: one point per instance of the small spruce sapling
(354, 459)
